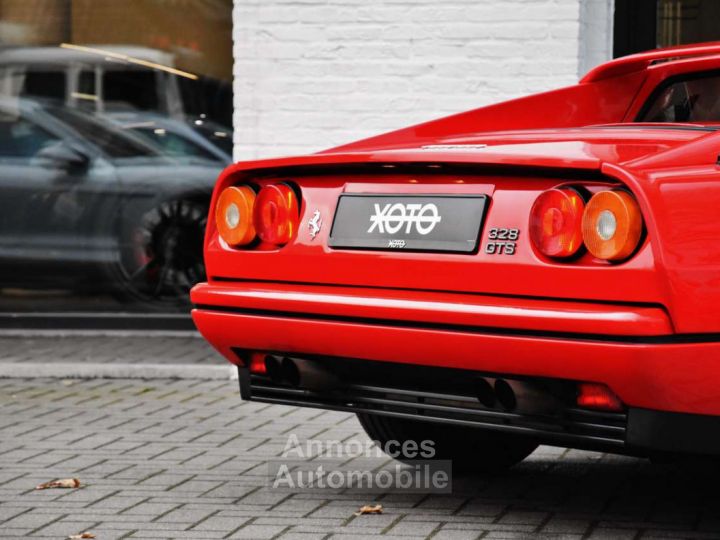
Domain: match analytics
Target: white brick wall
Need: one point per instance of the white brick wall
(310, 74)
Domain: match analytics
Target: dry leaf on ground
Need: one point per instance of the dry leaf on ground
(370, 509)
(81, 536)
(64, 483)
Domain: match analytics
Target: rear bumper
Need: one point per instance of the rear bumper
(632, 349)
(435, 309)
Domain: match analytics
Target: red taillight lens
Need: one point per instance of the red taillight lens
(599, 397)
(234, 215)
(612, 225)
(276, 214)
(556, 222)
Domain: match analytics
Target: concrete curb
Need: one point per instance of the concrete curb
(79, 320)
(40, 333)
(94, 370)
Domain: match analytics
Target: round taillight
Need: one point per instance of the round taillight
(555, 222)
(276, 214)
(234, 215)
(612, 225)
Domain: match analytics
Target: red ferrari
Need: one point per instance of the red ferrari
(540, 271)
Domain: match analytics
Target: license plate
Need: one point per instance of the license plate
(408, 222)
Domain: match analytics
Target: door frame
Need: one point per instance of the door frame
(635, 26)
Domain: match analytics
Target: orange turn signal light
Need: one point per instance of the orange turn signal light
(555, 222)
(234, 215)
(612, 225)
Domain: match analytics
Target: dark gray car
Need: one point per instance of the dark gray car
(87, 204)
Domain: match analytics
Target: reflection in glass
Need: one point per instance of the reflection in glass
(687, 21)
(115, 120)
(694, 99)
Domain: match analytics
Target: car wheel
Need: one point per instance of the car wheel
(161, 253)
(471, 450)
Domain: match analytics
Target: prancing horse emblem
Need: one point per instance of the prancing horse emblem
(314, 224)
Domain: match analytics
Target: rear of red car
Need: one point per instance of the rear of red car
(459, 285)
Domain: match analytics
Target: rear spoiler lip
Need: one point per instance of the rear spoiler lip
(641, 61)
(420, 157)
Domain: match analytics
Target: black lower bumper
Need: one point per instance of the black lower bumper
(541, 408)
(662, 432)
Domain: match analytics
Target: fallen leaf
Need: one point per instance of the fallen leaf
(81, 536)
(370, 509)
(64, 483)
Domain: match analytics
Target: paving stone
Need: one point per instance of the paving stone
(613, 534)
(341, 536)
(414, 528)
(12, 533)
(291, 535)
(152, 509)
(373, 522)
(453, 534)
(32, 520)
(187, 459)
(258, 531)
(194, 515)
(63, 528)
(559, 525)
(507, 535)
(215, 523)
(525, 518)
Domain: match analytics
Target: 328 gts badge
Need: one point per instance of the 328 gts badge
(502, 241)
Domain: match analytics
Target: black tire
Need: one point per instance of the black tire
(471, 450)
(161, 254)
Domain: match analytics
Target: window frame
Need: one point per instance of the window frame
(665, 84)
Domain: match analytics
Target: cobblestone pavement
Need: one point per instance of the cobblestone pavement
(112, 347)
(111, 355)
(187, 459)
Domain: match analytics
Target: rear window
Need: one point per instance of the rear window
(691, 99)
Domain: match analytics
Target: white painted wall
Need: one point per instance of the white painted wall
(596, 33)
(311, 74)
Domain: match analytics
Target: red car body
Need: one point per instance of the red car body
(401, 333)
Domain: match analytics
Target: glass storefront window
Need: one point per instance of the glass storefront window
(687, 21)
(115, 120)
